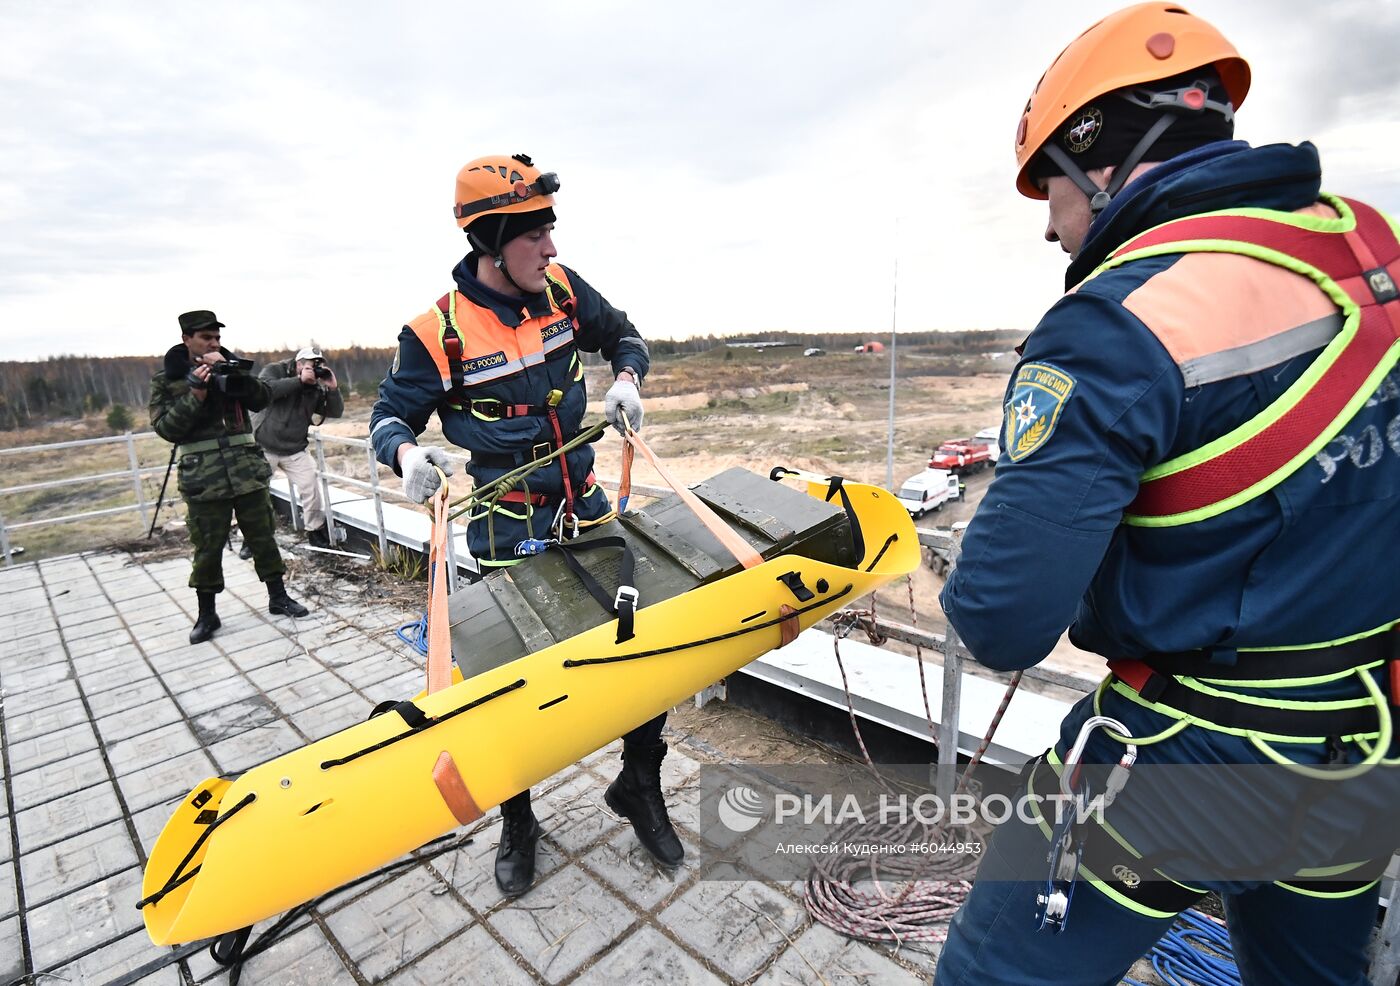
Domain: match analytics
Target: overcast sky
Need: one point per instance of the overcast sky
(726, 167)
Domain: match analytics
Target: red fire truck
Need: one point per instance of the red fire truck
(961, 455)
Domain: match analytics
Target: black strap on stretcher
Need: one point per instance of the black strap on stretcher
(622, 604)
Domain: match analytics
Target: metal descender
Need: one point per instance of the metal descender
(1067, 838)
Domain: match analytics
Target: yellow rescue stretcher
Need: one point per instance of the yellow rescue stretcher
(238, 851)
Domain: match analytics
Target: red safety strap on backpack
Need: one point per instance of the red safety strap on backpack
(1364, 262)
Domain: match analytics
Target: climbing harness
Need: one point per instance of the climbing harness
(1353, 259)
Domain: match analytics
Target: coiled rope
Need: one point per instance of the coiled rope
(848, 893)
(1195, 952)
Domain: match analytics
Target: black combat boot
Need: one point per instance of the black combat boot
(636, 796)
(515, 855)
(319, 537)
(207, 621)
(281, 604)
(246, 551)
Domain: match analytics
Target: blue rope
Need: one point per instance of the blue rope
(417, 637)
(1195, 952)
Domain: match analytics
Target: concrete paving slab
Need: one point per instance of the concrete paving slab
(108, 702)
(284, 671)
(140, 719)
(17, 631)
(372, 670)
(820, 955)
(27, 725)
(395, 923)
(634, 873)
(80, 625)
(255, 637)
(11, 950)
(300, 695)
(739, 925)
(215, 694)
(247, 750)
(150, 821)
(22, 680)
(66, 816)
(579, 816)
(185, 655)
(60, 778)
(49, 748)
(128, 672)
(85, 919)
(9, 898)
(322, 720)
(304, 958)
(401, 686)
(77, 862)
(149, 749)
(97, 654)
(562, 923)
(166, 781)
(199, 674)
(114, 960)
(233, 718)
(648, 957)
(474, 950)
(34, 652)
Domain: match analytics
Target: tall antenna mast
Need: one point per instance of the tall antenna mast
(894, 319)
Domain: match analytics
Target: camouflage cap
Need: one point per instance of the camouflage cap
(192, 322)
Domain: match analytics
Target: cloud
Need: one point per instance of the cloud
(732, 167)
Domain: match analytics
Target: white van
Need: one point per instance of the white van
(929, 490)
(992, 436)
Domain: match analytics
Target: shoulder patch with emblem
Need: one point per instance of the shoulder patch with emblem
(1038, 395)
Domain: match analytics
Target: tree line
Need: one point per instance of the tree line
(67, 387)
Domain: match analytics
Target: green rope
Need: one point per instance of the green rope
(490, 493)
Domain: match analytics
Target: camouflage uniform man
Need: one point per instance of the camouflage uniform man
(203, 408)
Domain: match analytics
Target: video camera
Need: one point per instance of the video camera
(229, 367)
(230, 376)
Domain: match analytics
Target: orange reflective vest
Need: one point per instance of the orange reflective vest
(473, 349)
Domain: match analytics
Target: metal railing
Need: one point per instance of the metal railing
(134, 470)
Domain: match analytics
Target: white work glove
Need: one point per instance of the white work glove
(623, 399)
(420, 480)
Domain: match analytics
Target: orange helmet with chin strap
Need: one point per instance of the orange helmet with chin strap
(1134, 47)
(499, 185)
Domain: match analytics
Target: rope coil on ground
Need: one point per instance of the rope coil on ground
(931, 886)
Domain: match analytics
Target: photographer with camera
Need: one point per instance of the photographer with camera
(200, 402)
(304, 392)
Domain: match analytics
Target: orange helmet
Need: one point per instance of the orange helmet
(1135, 46)
(499, 185)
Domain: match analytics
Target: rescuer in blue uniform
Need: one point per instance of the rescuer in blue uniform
(498, 360)
(1258, 628)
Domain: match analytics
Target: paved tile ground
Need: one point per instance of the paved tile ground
(108, 717)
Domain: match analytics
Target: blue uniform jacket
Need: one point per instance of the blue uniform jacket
(1312, 560)
(412, 390)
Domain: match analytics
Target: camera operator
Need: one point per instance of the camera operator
(304, 392)
(200, 402)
